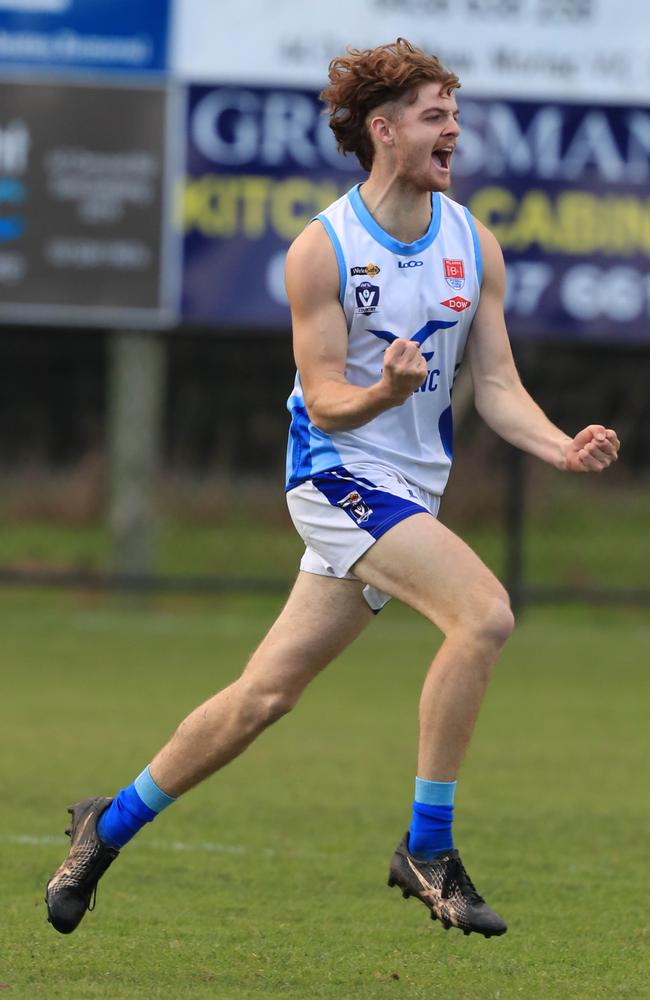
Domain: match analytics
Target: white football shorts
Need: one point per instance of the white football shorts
(340, 513)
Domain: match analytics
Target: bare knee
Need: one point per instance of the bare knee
(493, 620)
(260, 705)
(487, 620)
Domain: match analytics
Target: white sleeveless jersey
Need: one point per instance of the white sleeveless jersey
(426, 291)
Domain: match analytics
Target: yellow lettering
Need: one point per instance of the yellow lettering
(628, 230)
(624, 229)
(575, 222)
(223, 205)
(535, 223)
(211, 205)
(292, 206)
(578, 223)
(255, 198)
(495, 208)
(644, 238)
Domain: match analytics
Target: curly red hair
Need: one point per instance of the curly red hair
(363, 80)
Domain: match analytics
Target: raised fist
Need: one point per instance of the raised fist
(404, 370)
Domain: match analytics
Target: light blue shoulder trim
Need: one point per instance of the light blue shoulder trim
(379, 234)
(477, 246)
(338, 250)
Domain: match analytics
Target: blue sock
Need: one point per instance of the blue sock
(131, 808)
(433, 813)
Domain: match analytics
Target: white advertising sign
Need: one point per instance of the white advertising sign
(569, 50)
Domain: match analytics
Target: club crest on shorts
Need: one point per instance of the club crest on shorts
(367, 297)
(356, 506)
(454, 272)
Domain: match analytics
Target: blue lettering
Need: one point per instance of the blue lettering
(427, 385)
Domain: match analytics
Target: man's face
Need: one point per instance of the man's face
(425, 135)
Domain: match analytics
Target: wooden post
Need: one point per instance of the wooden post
(137, 369)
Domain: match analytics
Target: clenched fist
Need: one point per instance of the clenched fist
(592, 450)
(404, 370)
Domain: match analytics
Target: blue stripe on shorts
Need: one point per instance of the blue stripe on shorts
(370, 508)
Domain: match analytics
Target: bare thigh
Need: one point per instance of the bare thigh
(322, 616)
(428, 567)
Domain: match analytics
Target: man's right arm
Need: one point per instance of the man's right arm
(320, 343)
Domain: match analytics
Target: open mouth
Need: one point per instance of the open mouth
(442, 157)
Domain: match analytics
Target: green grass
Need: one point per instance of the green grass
(577, 533)
(269, 879)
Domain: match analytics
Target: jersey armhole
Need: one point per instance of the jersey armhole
(338, 250)
(477, 247)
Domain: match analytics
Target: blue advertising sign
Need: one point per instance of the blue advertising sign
(563, 187)
(260, 164)
(112, 35)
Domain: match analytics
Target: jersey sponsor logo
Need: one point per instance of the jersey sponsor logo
(356, 506)
(367, 297)
(458, 303)
(410, 263)
(371, 269)
(454, 272)
(430, 383)
(420, 336)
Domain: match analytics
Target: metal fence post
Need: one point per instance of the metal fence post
(515, 502)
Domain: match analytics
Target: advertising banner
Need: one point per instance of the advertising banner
(565, 50)
(564, 187)
(106, 35)
(260, 164)
(81, 203)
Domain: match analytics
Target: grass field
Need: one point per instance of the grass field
(270, 879)
(577, 533)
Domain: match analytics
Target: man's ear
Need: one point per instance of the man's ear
(381, 129)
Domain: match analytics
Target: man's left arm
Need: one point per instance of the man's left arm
(500, 397)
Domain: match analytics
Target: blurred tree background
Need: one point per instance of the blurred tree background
(220, 511)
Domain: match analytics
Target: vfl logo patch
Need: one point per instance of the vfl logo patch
(454, 272)
(356, 506)
(457, 303)
(367, 297)
(371, 269)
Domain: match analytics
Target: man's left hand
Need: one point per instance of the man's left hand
(592, 449)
